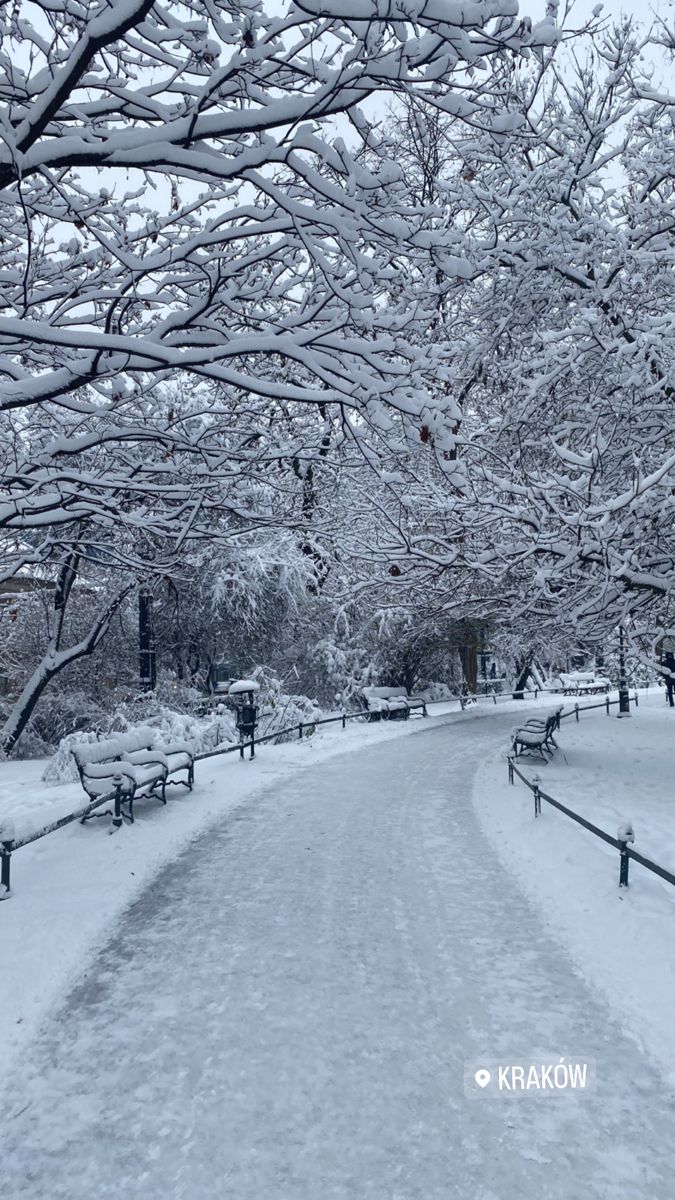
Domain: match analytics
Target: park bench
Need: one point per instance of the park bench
(537, 735)
(143, 764)
(391, 703)
(580, 683)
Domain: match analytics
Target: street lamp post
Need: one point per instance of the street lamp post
(624, 699)
(147, 663)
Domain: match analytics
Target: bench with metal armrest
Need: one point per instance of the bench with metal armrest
(143, 764)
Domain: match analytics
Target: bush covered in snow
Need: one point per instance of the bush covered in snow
(279, 709)
(438, 691)
(62, 768)
(62, 714)
(204, 733)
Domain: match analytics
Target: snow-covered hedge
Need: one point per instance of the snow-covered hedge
(438, 691)
(277, 710)
(204, 733)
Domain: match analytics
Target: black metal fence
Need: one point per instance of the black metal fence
(302, 729)
(305, 727)
(626, 852)
(9, 845)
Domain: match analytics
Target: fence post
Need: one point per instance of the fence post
(624, 834)
(300, 729)
(607, 703)
(537, 800)
(623, 864)
(117, 814)
(252, 754)
(344, 720)
(636, 699)
(510, 770)
(494, 697)
(536, 693)
(576, 710)
(6, 847)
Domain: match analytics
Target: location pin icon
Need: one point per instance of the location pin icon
(482, 1077)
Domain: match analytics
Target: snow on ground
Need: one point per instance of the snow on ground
(609, 771)
(286, 1012)
(71, 888)
(32, 804)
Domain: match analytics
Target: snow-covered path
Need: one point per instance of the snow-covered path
(285, 1015)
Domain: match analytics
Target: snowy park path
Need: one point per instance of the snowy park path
(286, 1013)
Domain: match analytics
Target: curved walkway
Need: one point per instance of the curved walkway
(286, 1013)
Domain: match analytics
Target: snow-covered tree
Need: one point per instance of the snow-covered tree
(555, 499)
(171, 202)
(192, 257)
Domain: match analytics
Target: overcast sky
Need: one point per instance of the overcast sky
(644, 9)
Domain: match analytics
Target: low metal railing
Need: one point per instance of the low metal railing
(302, 728)
(9, 844)
(621, 844)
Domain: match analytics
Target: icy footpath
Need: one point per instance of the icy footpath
(287, 1012)
(71, 887)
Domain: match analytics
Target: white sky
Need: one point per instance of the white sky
(633, 8)
(644, 11)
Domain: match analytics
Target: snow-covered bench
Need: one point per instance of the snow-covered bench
(144, 764)
(579, 683)
(391, 703)
(537, 734)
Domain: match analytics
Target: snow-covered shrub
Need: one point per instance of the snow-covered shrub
(65, 712)
(136, 708)
(62, 713)
(204, 733)
(438, 691)
(342, 669)
(31, 744)
(279, 709)
(62, 768)
(171, 693)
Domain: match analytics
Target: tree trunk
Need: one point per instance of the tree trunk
(147, 657)
(523, 676)
(469, 658)
(410, 677)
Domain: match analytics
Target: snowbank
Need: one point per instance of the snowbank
(614, 773)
